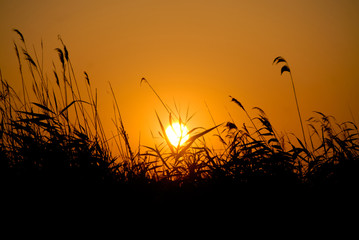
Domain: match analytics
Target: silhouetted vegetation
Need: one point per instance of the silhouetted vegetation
(52, 137)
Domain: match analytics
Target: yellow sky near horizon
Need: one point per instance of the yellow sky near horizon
(197, 53)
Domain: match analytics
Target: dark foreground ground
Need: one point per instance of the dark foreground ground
(218, 196)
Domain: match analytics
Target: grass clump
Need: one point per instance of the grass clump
(53, 136)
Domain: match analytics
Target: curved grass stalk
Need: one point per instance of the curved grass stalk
(286, 68)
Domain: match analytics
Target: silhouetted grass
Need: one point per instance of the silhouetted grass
(53, 137)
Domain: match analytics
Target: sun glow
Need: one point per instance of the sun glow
(177, 134)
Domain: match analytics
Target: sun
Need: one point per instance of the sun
(177, 134)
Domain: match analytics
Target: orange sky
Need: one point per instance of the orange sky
(196, 52)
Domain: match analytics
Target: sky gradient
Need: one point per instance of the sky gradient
(197, 53)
